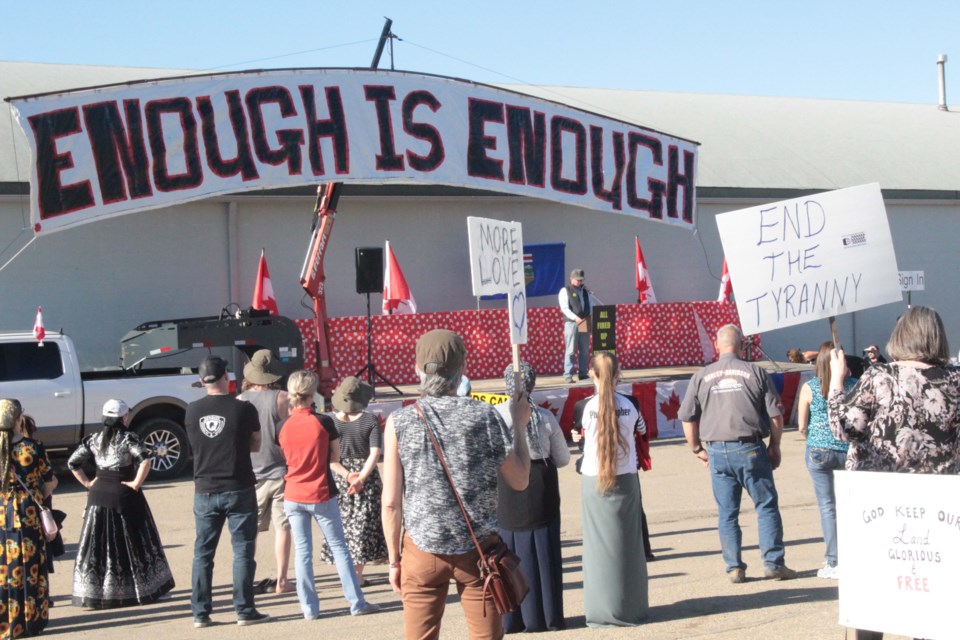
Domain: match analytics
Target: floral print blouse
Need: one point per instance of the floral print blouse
(900, 418)
(29, 463)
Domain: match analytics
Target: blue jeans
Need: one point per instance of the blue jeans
(327, 515)
(735, 466)
(576, 350)
(821, 463)
(210, 510)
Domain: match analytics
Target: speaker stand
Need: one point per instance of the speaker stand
(370, 368)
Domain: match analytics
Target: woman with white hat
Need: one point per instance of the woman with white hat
(120, 559)
(360, 445)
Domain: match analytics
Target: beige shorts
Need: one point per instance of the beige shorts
(270, 504)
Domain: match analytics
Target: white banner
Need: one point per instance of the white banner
(496, 266)
(899, 537)
(107, 151)
(810, 258)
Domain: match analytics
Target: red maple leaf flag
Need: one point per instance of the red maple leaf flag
(726, 286)
(396, 292)
(263, 297)
(644, 287)
(38, 331)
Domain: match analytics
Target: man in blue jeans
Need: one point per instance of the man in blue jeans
(725, 414)
(223, 431)
(576, 304)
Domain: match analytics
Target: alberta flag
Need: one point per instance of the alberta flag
(542, 269)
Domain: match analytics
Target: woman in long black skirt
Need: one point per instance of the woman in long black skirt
(120, 559)
(530, 519)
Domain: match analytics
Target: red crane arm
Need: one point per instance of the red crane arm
(312, 278)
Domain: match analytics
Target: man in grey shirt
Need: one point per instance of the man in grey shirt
(725, 415)
(261, 381)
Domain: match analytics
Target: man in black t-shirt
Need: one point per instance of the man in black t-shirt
(222, 432)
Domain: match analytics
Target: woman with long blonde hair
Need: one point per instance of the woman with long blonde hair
(614, 562)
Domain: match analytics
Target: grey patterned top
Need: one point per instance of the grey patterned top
(900, 418)
(475, 441)
(126, 449)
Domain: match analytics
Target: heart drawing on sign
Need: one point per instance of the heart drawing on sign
(519, 310)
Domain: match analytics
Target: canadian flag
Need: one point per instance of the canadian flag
(396, 292)
(644, 287)
(263, 297)
(726, 287)
(38, 331)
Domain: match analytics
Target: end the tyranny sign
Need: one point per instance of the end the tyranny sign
(106, 151)
(809, 258)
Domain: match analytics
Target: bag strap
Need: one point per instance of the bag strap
(27, 489)
(446, 471)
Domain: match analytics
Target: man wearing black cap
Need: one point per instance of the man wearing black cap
(576, 304)
(222, 432)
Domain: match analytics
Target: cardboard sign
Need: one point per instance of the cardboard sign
(899, 550)
(496, 266)
(809, 258)
(605, 329)
(912, 280)
(106, 151)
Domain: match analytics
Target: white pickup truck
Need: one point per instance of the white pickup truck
(66, 403)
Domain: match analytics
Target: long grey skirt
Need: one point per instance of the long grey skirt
(614, 564)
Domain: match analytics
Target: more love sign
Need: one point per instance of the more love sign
(899, 549)
(809, 258)
(496, 266)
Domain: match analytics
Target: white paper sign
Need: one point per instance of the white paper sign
(899, 552)
(496, 266)
(809, 258)
(912, 280)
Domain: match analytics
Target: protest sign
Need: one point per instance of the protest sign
(106, 151)
(809, 258)
(496, 266)
(899, 550)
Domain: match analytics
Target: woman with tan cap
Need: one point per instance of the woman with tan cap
(26, 478)
(360, 445)
(120, 558)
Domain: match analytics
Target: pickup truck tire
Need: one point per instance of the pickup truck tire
(171, 450)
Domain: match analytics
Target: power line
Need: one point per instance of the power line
(289, 55)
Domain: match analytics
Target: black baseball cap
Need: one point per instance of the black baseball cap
(212, 369)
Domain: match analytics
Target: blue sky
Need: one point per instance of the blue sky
(840, 49)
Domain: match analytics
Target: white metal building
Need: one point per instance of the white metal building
(99, 280)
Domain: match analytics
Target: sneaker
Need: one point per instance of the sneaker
(737, 576)
(828, 572)
(780, 573)
(568, 379)
(366, 609)
(201, 623)
(254, 618)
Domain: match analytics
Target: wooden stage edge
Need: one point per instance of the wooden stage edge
(385, 394)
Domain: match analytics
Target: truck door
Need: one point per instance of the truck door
(46, 381)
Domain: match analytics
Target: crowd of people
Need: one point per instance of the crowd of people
(460, 478)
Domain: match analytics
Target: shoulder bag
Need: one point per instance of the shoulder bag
(47, 522)
(499, 567)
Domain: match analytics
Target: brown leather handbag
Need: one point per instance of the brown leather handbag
(499, 566)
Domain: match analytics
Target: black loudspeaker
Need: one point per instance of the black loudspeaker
(369, 269)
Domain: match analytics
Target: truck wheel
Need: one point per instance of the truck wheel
(171, 451)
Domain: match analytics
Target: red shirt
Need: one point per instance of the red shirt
(305, 439)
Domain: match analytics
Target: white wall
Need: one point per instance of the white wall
(102, 279)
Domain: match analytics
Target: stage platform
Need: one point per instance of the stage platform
(659, 390)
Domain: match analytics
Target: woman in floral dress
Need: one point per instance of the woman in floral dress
(359, 497)
(24, 603)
